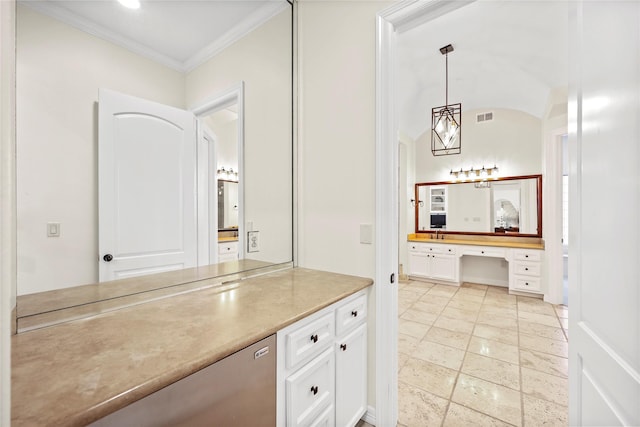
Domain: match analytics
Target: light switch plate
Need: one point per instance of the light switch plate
(366, 234)
(53, 229)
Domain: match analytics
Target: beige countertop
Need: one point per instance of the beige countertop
(504, 242)
(77, 372)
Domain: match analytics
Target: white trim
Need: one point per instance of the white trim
(552, 214)
(250, 23)
(8, 272)
(246, 26)
(370, 416)
(297, 158)
(396, 18)
(206, 220)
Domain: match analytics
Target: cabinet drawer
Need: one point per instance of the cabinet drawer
(351, 314)
(484, 251)
(530, 284)
(227, 247)
(310, 390)
(522, 255)
(527, 268)
(416, 247)
(326, 419)
(309, 340)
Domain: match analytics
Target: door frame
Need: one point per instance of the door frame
(552, 215)
(395, 19)
(208, 206)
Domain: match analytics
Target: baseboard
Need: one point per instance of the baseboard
(369, 417)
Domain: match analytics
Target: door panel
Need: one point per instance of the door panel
(604, 321)
(147, 197)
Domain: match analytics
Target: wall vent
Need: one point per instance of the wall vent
(484, 117)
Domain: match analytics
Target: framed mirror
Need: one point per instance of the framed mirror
(179, 54)
(508, 206)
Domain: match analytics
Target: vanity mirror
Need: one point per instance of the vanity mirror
(508, 206)
(179, 54)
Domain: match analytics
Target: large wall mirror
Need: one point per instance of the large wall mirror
(509, 206)
(181, 55)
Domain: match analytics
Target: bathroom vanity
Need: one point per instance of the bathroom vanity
(439, 260)
(79, 372)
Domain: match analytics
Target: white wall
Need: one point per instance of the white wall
(267, 133)
(59, 72)
(7, 203)
(337, 141)
(512, 141)
(226, 143)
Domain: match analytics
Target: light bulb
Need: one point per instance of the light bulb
(130, 4)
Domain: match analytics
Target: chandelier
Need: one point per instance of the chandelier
(446, 120)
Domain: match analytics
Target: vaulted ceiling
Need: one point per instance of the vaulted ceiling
(508, 54)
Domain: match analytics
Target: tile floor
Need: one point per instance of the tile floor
(476, 356)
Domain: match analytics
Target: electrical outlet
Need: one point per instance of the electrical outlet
(253, 241)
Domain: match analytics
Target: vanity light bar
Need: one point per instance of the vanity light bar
(475, 174)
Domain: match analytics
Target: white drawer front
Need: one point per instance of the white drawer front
(227, 247)
(309, 340)
(417, 247)
(527, 268)
(434, 249)
(484, 251)
(326, 419)
(529, 284)
(523, 255)
(351, 314)
(310, 390)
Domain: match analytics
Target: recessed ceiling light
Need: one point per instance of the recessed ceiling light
(131, 4)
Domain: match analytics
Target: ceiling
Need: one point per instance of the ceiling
(180, 34)
(508, 54)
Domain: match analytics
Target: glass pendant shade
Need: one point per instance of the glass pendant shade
(446, 130)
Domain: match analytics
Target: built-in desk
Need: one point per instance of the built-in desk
(439, 260)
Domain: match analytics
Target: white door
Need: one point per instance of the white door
(147, 187)
(604, 232)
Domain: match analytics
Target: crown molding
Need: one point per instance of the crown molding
(246, 26)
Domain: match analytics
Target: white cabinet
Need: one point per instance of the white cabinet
(525, 271)
(433, 261)
(310, 390)
(322, 366)
(227, 251)
(351, 377)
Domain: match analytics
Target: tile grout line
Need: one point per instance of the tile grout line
(522, 417)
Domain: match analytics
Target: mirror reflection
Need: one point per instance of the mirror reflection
(67, 52)
(509, 206)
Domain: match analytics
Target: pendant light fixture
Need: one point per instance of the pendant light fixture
(446, 121)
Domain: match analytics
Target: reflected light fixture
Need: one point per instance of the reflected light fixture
(484, 174)
(446, 120)
(131, 4)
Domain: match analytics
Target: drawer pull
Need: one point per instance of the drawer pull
(314, 389)
(343, 347)
(314, 338)
(526, 269)
(354, 313)
(482, 251)
(526, 283)
(526, 256)
(449, 250)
